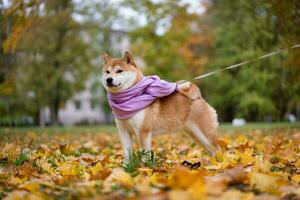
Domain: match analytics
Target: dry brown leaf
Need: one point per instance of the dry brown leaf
(236, 174)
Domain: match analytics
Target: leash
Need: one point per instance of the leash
(244, 63)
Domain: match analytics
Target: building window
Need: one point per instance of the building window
(77, 105)
(93, 104)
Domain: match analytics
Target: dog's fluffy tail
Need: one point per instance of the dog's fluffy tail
(183, 85)
(189, 89)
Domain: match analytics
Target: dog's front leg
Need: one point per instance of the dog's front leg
(126, 141)
(144, 138)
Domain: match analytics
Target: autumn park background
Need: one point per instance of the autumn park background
(57, 137)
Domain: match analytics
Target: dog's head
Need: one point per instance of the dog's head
(119, 74)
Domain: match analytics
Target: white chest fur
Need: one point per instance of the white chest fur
(133, 124)
(136, 122)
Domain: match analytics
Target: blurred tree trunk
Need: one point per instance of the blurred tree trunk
(57, 65)
(56, 105)
(54, 117)
(36, 119)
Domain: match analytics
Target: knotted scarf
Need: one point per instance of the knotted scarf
(128, 102)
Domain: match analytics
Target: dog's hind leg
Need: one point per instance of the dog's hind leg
(202, 124)
(208, 124)
(198, 135)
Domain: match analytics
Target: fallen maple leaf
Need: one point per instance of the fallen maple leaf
(118, 176)
(236, 174)
(182, 178)
(69, 169)
(264, 182)
(216, 184)
(256, 165)
(96, 168)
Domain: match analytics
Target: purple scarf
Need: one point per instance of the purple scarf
(128, 102)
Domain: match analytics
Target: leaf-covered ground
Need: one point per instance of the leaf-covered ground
(258, 164)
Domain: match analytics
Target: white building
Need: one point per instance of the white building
(81, 108)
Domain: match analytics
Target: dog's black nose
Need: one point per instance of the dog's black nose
(109, 80)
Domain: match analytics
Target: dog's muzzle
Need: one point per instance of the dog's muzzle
(109, 82)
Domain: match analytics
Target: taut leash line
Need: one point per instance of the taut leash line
(246, 62)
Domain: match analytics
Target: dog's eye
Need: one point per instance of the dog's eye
(119, 71)
(107, 72)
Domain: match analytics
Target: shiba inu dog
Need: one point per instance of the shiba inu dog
(183, 109)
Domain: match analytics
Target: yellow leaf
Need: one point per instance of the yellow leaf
(246, 158)
(145, 170)
(158, 180)
(198, 189)
(142, 184)
(262, 165)
(15, 181)
(118, 176)
(179, 195)
(66, 148)
(234, 194)
(96, 169)
(296, 178)
(264, 182)
(69, 169)
(94, 183)
(43, 163)
(183, 178)
(31, 186)
(219, 157)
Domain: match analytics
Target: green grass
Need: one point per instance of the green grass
(141, 158)
(261, 125)
(107, 128)
(112, 128)
(21, 159)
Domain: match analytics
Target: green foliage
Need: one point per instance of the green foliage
(229, 32)
(141, 158)
(244, 30)
(134, 162)
(53, 61)
(21, 159)
(52, 162)
(150, 160)
(256, 105)
(161, 52)
(47, 55)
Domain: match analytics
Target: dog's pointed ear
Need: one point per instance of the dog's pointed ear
(128, 59)
(105, 57)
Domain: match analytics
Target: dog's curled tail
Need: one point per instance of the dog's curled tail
(189, 89)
